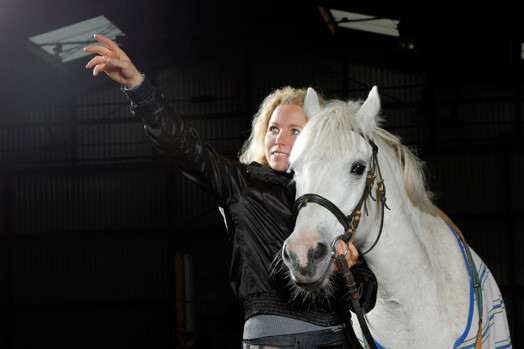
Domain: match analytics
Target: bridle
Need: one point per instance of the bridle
(350, 222)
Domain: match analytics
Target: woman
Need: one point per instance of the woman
(256, 196)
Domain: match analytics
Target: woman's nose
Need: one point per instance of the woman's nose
(280, 139)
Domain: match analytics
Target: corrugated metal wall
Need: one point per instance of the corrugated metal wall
(89, 201)
(92, 215)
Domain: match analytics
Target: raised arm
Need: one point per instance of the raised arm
(114, 62)
(168, 132)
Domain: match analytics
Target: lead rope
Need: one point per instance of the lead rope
(353, 291)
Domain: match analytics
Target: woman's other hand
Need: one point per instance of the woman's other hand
(114, 62)
(351, 255)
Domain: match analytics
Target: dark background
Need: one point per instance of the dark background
(104, 244)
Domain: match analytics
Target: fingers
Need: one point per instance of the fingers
(341, 247)
(99, 62)
(111, 46)
(98, 68)
(108, 42)
(105, 60)
(101, 50)
(105, 65)
(351, 255)
(95, 61)
(114, 62)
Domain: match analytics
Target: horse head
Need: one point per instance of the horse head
(330, 159)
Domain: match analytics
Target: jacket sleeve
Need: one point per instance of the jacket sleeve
(216, 174)
(367, 286)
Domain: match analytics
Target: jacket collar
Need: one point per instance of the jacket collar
(267, 174)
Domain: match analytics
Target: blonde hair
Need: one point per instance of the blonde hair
(253, 149)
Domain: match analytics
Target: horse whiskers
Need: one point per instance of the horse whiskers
(277, 266)
(322, 295)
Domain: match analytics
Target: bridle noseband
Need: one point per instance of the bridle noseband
(350, 222)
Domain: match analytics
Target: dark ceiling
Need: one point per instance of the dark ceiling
(478, 41)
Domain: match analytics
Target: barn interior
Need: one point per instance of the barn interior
(104, 243)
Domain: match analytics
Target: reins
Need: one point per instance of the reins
(350, 224)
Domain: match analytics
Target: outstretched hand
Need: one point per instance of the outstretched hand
(351, 255)
(114, 62)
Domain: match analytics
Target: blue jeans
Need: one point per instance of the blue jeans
(332, 339)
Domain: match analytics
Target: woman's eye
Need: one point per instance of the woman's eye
(358, 169)
(273, 129)
(295, 131)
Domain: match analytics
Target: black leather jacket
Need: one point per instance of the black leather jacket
(257, 204)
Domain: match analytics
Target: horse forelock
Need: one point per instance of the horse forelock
(327, 134)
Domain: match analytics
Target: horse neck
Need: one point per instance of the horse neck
(411, 238)
(422, 280)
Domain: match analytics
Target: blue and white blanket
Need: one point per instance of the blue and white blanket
(495, 329)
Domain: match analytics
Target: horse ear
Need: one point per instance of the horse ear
(311, 103)
(368, 112)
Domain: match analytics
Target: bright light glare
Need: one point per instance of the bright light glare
(66, 43)
(367, 23)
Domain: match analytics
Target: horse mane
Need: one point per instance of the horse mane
(412, 169)
(326, 134)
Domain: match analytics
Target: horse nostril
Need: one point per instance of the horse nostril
(320, 251)
(285, 254)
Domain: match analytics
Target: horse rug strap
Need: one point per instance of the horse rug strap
(353, 291)
(490, 313)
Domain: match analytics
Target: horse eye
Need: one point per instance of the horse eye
(358, 169)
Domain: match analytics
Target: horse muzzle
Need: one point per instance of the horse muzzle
(310, 269)
(312, 286)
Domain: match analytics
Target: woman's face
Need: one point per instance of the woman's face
(285, 124)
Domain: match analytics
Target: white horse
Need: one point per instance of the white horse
(426, 297)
